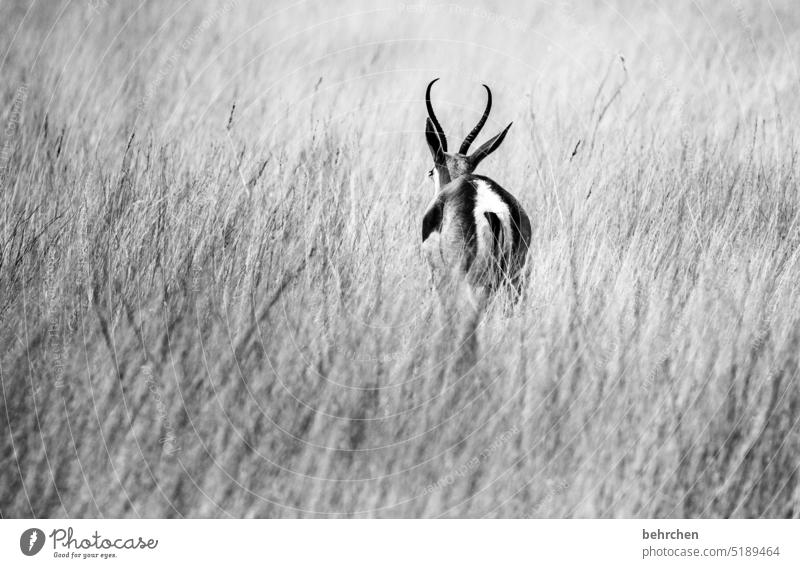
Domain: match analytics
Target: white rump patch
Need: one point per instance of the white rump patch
(487, 201)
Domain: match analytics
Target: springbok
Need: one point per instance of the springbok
(474, 232)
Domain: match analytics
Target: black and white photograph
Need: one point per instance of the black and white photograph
(483, 260)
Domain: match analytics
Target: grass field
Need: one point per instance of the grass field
(212, 295)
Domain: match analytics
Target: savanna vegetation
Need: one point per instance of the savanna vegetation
(212, 297)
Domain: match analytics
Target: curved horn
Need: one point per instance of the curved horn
(439, 130)
(475, 131)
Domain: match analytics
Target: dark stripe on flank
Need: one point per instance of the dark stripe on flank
(432, 221)
(496, 225)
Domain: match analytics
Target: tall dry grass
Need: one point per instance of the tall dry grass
(212, 298)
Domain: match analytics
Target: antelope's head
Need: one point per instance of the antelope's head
(447, 166)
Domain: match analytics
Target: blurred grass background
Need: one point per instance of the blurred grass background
(212, 297)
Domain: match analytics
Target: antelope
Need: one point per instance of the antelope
(475, 234)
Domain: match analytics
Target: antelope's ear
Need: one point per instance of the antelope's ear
(488, 147)
(434, 144)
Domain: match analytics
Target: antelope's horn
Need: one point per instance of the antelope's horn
(475, 131)
(436, 125)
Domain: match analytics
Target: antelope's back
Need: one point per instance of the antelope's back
(477, 229)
